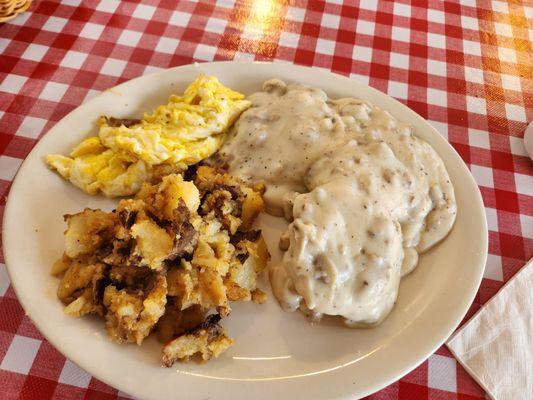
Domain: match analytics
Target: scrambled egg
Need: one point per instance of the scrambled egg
(183, 132)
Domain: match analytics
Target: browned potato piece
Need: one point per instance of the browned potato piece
(251, 258)
(237, 293)
(131, 316)
(153, 244)
(176, 321)
(194, 286)
(87, 231)
(208, 340)
(251, 207)
(162, 170)
(84, 304)
(79, 276)
(172, 190)
(205, 257)
(79, 286)
(123, 309)
(61, 265)
(258, 296)
(258, 251)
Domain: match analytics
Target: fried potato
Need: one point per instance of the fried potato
(154, 244)
(208, 340)
(79, 287)
(176, 321)
(251, 258)
(258, 296)
(165, 259)
(174, 189)
(194, 286)
(205, 257)
(61, 265)
(79, 276)
(86, 231)
(123, 309)
(131, 316)
(81, 306)
(252, 205)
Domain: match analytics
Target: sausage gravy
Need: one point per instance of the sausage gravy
(365, 197)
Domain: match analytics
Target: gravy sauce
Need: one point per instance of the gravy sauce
(280, 137)
(365, 197)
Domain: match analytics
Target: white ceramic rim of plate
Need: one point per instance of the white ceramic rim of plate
(381, 99)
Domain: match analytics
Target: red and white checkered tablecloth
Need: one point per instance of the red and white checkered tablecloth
(465, 66)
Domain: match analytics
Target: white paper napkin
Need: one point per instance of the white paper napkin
(496, 345)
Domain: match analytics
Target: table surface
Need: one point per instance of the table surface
(466, 67)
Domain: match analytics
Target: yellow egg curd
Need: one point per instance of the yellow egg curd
(183, 132)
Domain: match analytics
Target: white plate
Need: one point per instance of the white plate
(277, 354)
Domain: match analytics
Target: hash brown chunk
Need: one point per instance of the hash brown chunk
(164, 260)
(208, 340)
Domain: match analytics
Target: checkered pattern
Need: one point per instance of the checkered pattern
(465, 66)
